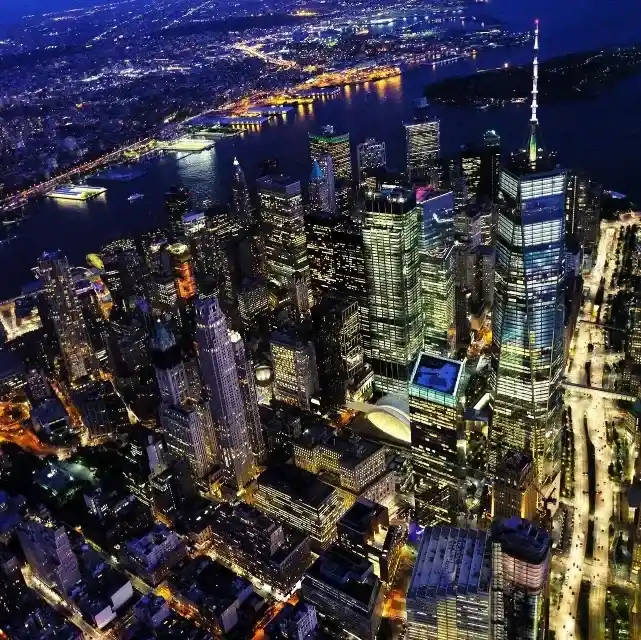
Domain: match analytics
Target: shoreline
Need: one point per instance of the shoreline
(568, 78)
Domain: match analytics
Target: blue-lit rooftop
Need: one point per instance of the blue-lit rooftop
(437, 374)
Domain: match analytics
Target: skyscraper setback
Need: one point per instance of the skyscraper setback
(66, 315)
(222, 385)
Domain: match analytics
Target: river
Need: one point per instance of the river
(602, 136)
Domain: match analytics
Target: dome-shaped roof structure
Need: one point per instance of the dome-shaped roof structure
(264, 375)
(391, 416)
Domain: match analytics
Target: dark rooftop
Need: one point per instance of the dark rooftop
(297, 483)
(361, 514)
(347, 572)
(522, 539)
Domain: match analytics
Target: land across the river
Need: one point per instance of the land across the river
(571, 77)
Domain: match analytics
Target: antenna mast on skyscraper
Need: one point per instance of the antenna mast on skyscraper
(534, 121)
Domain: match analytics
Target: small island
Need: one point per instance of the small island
(576, 76)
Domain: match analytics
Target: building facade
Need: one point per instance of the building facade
(520, 580)
(528, 316)
(66, 315)
(437, 271)
(370, 154)
(449, 592)
(423, 148)
(295, 370)
(337, 147)
(281, 210)
(223, 387)
(392, 270)
(436, 395)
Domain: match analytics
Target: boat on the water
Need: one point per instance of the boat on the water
(135, 196)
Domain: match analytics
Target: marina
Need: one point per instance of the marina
(230, 121)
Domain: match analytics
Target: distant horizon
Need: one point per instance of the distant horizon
(15, 12)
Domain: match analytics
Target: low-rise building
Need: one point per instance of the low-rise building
(101, 594)
(154, 554)
(365, 530)
(293, 622)
(210, 592)
(344, 588)
(275, 554)
(298, 498)
(357, 467)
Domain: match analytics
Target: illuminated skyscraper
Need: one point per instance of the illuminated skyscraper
(423, 147)
(339, 351)
(66, 315)
(223, 388)
(320, 251)
(468, 584)
(392, 268)
(370, 154)
(436, 394)
(295, 372)
(281, 209)
(583, 211)
(449, 592)
(241, 201)
(519, 594)
(490, 165)
(322, 189)
(171, 374)
(182, 264)
(350, 282)
(317, 189)
(245, 372)
(189, 434)
(437, 270)
(177, 203)
(337, 147)
(528, 314)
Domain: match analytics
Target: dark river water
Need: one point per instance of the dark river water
(602, 136)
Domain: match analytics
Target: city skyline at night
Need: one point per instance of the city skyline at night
(317, 331)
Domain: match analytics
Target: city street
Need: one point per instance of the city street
(595, 410)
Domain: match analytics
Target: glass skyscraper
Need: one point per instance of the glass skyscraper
(423, 146)
(77, 354)
(392, 266)
(335, 145)
(437, 270)
(281, 210)
(528, 315)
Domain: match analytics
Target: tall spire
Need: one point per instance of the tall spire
(534, 121)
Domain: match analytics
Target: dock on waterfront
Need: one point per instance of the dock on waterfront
(78, 192)
(187, 144)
